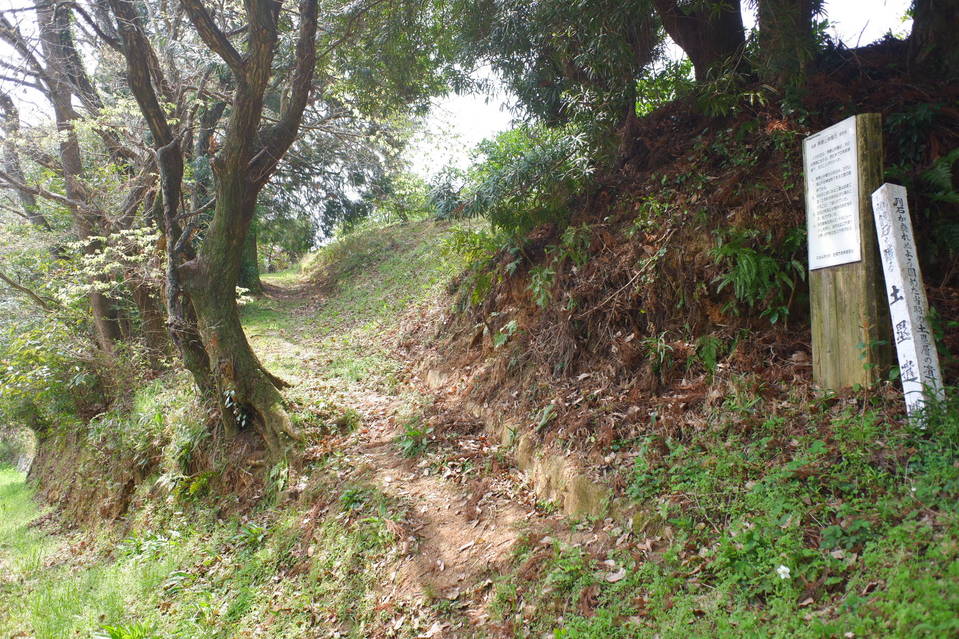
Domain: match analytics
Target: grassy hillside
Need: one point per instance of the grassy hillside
(185, 560)
(767, 511)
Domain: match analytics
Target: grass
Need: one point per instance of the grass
(365, 283)
(197, 577)
(281, 572)
(815, 522)
(22, 548)
(47, 599)
(769, 519)
(335, 339)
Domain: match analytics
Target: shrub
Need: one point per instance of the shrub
(527, 177)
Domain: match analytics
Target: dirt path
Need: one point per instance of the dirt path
(468, 507)
(461, 531)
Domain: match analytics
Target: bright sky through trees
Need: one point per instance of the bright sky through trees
(458, 122)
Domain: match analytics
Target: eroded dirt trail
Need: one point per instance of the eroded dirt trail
(460, 531)
(467, 508)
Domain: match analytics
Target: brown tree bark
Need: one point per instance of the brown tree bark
(142, 70)
(56, 65)
(250, 152)
(202, 148)
(53, 25)
(249, 277)
(786, 40)
(934, 44)
(11, 162)
(710, 32)
(247, 394)
(152, 324)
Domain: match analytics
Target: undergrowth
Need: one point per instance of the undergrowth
(809, 521)
(285, 573)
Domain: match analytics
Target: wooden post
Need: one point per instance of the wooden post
(843, 166)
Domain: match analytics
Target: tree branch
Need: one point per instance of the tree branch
(212, 36)
(24, 83)
(200, 209)
(13, 183)
(10, 33)
(46, 305)
(278, 137)
(10, 209)
(11, 160)
(18, 69)
(111, 41)
(354, 19)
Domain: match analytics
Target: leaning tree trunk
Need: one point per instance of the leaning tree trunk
(787, 43)
(53, 25)
(642, 31)
(246, 393)
(250, 265)
(11, 162)
(933, 45)
(181, 316)
(142, 70)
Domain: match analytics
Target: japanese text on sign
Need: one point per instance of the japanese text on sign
(832, 195)
(916, 348)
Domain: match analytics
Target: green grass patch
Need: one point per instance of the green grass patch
(47, 598)
(196, 577)
(811, 521)
(332, 329)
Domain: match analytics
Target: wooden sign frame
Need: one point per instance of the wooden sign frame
(847, 302)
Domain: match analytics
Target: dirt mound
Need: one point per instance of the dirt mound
(696, 260)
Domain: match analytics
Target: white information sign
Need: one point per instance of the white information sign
(918, 361)
(830, 160)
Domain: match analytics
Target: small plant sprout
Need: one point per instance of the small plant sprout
(414, 438)
(504, 334)
(545, 416)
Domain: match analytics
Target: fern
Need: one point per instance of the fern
(949, 236)
(939, 178)
(758, 278)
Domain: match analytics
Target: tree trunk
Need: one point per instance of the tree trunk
(181, 317)
(630, 146)
(934, 45)
(152, 324)
(250, 265)
(786, 41)
(203, 148)
(711, 33)
(11, 162)
(248, 395)
(52, 25)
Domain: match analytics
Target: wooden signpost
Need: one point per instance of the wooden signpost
(843, 165)
(918, 361)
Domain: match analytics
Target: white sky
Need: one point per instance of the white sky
(458, 122)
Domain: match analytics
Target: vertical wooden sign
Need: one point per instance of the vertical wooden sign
(908, 308)
(843, 165)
